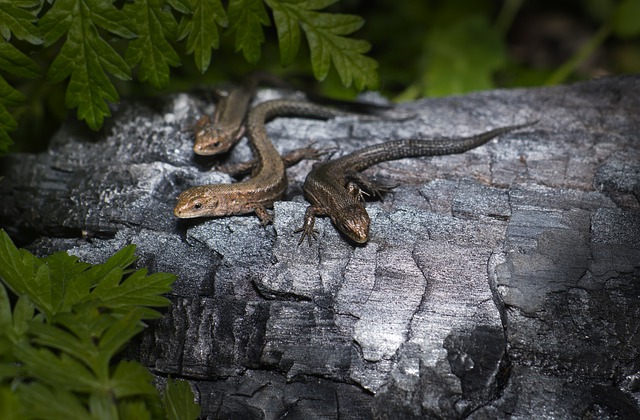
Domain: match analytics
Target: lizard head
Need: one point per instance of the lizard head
(200, 202)
(213, 138)
(353, 221)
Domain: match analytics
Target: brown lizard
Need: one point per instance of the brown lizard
(335, 188)
(218, 135)
(268, 181)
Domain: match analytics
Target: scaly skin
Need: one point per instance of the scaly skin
(335, 188)
(218, 135)
(268, 182)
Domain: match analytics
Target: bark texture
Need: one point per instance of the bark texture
(500, 282)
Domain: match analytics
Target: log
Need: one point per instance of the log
(501, 282)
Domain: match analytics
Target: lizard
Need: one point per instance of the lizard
(268, 181)
(335, 188)
(219, 134)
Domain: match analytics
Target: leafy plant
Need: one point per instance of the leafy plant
(59, 337)
(86, 39)
(434, 48)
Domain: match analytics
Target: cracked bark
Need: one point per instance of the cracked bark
(503, 281)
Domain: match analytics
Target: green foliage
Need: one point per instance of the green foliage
(247, 18)
(152, 50)
(327, 42)
(85, 57)
(178, 401)
(454, 68)
(17, 18)
(427, 48)
(91, 42)
(626, 19)
(59, 339)
(458, 47)
(202, 34)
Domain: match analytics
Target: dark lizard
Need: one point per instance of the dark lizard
(335, 188)
(268, 181)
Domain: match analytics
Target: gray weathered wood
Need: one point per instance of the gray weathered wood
(501, 282)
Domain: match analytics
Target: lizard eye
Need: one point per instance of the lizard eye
(197, 205)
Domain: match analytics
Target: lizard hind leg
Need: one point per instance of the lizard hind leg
(263, 215)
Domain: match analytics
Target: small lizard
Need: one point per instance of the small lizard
(268, 181)
(218, 135)
(335, 188)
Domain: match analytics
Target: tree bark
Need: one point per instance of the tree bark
(504, 281)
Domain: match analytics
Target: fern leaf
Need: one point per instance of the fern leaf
(152, 50)
(326, 35)
(201, 30)
(247, 18)
(15, 62)
(85, 58)
(16, 20)
(7, 124)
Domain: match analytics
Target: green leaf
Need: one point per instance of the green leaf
(152, 50)
(288, 34)
(67, 360)
(15, 62)
(51, 403)
(182, 6)
(132, 379)
(626, 19)
(57, 21)
(64, 270)
(104, 15)
(327, 41)
(136, 410)
(15, 19)
(10, 407)
(23, 314)
(16, 268)
(39, 290)
(8, 95)
(13, 330)
(6, 317)
(119, 333)
(463, 57)
(58, 371)
(24, 274)
(76, 342)
(102, 406)
(246, 19)
(179, 401)
(9, 369)
(122, 259)
(78, 288)
(201, 30)
(136, 290)
(85, 58)
(7, 123)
